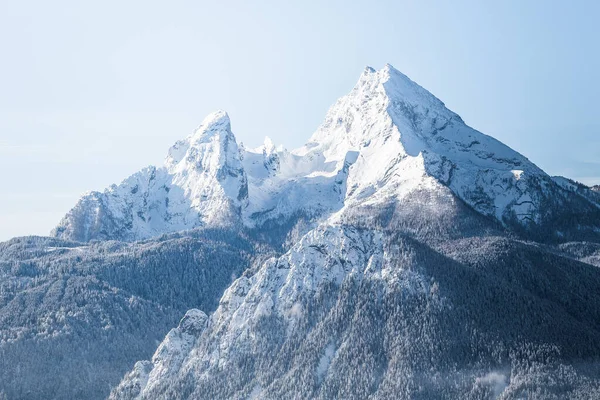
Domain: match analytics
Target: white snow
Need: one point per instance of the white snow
(383, 141)
(170, 354)
(325, 361)
(387, 138)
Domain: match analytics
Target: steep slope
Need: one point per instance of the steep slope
(396, 138)
(74, 318)
(168, 357)
(588, 193)
(359, 313)
(387, 139)
(202, 184)
(411, 283)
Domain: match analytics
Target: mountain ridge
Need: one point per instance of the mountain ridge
(430, 279)
(399, 254)
(378, 143)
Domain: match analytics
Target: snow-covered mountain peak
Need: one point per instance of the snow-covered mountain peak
(399, 136)
(385, 140)
(209, 153)
(207, 166)
(214, 132)
(400, 87)
(379, 99)
(215, 118)
(397, 87)
(203, 183)
(215, 122)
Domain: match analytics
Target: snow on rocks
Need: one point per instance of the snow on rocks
(387, 138)
(167, 359)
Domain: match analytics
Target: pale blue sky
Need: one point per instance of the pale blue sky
(92, 91)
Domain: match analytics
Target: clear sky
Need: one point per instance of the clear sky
(90, 92)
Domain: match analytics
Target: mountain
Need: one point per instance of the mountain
(387, 139)
(74, 317)
(450, 267)
(398, 254)
(353, 313)
(202, 184)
